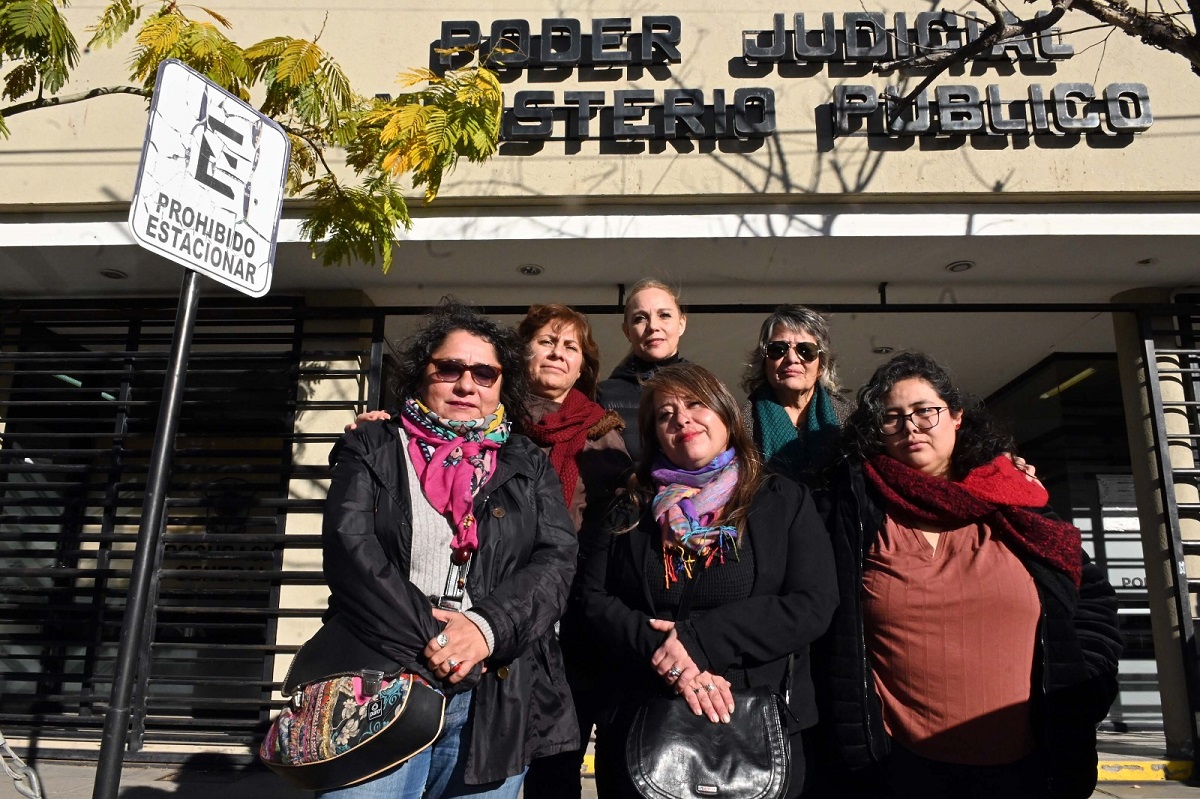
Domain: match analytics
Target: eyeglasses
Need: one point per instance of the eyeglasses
(483, 374)
(805, 350)
(923, 418)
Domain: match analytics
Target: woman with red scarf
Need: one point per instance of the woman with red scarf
(975, 647)
(587, 451)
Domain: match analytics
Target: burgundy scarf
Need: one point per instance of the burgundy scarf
(996, 493)
(565, 432)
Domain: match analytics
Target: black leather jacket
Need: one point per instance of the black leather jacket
(1074, 671)
(518, 583)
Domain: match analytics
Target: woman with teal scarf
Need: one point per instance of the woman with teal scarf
(795, 409)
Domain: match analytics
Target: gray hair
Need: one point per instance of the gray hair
(797, 319)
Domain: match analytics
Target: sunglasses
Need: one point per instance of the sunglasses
(483, 374)
(805, 350)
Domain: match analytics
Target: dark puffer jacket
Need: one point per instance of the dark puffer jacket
(518, 583)
(622, 392)
(1074, 674)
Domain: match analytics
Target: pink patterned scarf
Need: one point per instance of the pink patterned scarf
(453, 459)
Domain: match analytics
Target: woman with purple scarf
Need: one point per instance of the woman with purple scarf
(448, 548)
(702, 511)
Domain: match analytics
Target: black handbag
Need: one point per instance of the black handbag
(344, 726)
(672, 753)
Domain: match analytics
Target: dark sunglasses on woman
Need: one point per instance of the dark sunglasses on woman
(450, 371)
(805, 350)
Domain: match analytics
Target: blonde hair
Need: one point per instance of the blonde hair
(652, 283)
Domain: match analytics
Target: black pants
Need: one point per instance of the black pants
(557, 776)
(910, 776)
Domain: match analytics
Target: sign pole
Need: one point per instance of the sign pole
(116, 721)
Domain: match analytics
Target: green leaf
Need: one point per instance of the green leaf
(298, 62)
(22, 80)
(114, 22)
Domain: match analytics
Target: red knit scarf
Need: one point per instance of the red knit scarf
(565, 432)
(996, 493)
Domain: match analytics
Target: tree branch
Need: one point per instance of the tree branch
(46, 102)
(998, 31)
(1156, 30)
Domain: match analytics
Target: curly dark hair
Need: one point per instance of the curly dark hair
(449, 317)
(980, 438)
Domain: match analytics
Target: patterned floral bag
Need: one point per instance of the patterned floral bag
(348, 728)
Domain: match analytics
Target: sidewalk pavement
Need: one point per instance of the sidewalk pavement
(1132, 766)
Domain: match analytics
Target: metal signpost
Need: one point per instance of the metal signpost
(208, 196)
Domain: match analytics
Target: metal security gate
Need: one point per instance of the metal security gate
(1176, 425)
(80, 384)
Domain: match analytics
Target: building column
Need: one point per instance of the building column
(1160, 574)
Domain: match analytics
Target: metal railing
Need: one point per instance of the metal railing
(1176, 428)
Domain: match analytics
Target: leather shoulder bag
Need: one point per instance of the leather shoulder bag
(672, 753)
(342, 726)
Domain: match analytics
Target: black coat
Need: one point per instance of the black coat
(790, 605)
(622, 392)
(1074, 674)
(518, 583)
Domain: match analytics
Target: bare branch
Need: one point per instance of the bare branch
(1156, 30)
(999, 31)
(46, 102)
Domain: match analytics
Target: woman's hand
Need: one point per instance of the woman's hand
(464, 646)
(708, 695)
(369, 416)
(671, 660)
(1025, 467)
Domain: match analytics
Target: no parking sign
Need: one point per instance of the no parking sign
(210, 186)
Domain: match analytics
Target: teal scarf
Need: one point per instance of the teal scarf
(796, 451)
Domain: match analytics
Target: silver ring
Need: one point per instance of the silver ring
(442, 640)
(710, 687)
(452, 663)
(674, 672)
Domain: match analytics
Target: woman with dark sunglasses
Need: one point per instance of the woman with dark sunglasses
(449, 549)
(795, 409)
(975, 647)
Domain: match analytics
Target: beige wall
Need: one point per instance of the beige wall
(88, 153)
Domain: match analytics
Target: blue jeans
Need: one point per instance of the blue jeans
(436, 773)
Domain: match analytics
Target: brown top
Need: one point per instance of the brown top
(951, 633)
(602, 462)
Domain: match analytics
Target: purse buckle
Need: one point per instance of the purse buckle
(372, 681)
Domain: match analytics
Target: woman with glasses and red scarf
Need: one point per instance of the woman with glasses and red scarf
(448, 548)
(975, 647)
(795, 408)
